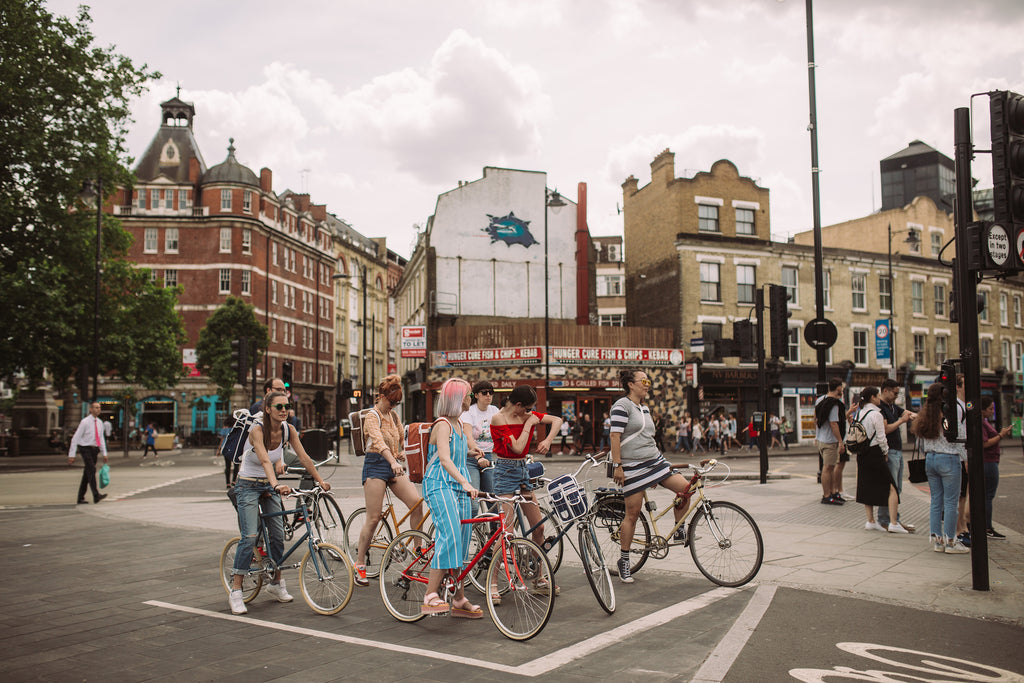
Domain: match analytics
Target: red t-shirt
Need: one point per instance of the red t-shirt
(503, 436)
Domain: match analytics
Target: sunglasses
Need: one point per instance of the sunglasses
(282, 406)
(645, 382)
(484, 392)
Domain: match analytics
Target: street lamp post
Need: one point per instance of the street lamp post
(553, 201)
(362, 323)
(913, 240)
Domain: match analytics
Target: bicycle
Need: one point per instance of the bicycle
(382, 535)
(522, 573)
(325, 513)
(325, 572)
(723, 538)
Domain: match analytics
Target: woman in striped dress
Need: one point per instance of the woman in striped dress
(638, 462)
(447, 490)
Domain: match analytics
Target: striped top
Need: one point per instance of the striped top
(636, 426)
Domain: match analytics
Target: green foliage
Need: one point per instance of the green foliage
(234, 320)
(64, 115)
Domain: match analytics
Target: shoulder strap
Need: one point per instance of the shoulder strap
(643, 423)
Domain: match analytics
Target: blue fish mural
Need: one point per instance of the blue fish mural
(510, 230)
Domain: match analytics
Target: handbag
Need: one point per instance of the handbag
(915, 466)
(104, 476)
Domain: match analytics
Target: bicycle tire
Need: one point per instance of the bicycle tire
(378, 542)
(521, 575)
(609, 511)
(596, 568)
(726, 546)
(329, 520)
(251, 582)
(553, 538)
(404, 573)
(326, 577)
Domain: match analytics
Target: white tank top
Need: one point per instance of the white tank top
(251, 467)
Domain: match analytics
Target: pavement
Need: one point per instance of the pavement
(807, 545)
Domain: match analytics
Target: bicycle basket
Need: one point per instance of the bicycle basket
(567, 498)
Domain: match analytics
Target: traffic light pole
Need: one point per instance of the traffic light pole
(967, 302)
(762, 384)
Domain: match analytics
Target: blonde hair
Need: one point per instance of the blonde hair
(450, 397)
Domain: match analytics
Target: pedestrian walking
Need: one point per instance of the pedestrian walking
(90, 443)
(150, 441)
(606, 431)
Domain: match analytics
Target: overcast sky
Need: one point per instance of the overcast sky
(375, 108)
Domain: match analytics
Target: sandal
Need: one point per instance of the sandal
(432, 604)
(466, 609)
(495, 596)
(542, 587)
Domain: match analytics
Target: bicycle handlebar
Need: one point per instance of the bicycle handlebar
(316, 465)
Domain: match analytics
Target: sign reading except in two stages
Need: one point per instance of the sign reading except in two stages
(998, 243)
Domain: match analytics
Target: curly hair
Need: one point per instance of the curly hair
(388, 385)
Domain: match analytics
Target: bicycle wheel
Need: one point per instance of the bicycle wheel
(328, 520)
(478, 575)
(726, 544)
(609, 511)
(326, 576)
(378, 542)
(251, 582)
(404, 573)
(552, 545)
(524, 577)
(595, 568)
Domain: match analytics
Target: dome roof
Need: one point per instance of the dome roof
(230, 171)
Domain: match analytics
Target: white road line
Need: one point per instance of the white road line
(721, 659)
(159, 486)
(537, 667)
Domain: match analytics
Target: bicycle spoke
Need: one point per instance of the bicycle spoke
(726, 544)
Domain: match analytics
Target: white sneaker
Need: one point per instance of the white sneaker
(236, 602)
(897, 529)
(956, 548)
(873, 526)
(279, 592)
(848, 498)
(938, 545)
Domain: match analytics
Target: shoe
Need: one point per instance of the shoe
(495, 596)
(83, 502)
(873, 526)
(542, 587)
(956, 548)
(466, 610)
(279, 592)
(965, 539)
(897, 529)
(844, 497)
(99, 497)
(836, 499)
(680, 535)
(360, 576)
(992, 533)
(909, 527)
(432, 604)
(937, 544)
(236, 602)
(623, 568)
(825, 500)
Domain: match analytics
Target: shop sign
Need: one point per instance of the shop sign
(510, 356)
(414, 341)
(582, 355)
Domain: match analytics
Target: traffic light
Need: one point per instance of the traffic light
(240, 359)
(743, 334)
(286, 373)
(346, 390)
(950, 413)
(778, 305)
(1000, 238)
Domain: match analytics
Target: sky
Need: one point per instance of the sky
(375, 108)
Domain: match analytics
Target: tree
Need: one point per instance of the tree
(64, 116)
(234, 320)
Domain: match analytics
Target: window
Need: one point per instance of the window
(247, 202)
(710, 282)
(246, 240)
(711, 333)
(273, 252)
(152, 276)
(745, 284)
(936, 243)
(986, 354)
(940, 350)
(225, 240)
(920, 356)
(245, 282)
(1007, 361)
(141, 199)
(1016, 311)
(917, 297)
(940, 301)
(826, 280)
(154, 199)
(292, 268)
(170, 278)
(225, 280)
(225, 200)
(183, 202)
(1004, 313)
(168, 198)
(149, 241)
(273, 291)
(273, 332)
(612, 320)
(793, 347)
(860, 347)
(884, 293)
(983, 305)
(744, 221)
(707, 218)
(171, 240)
(1018, 351)
(609, 285)
(791, 282)
(858, 289)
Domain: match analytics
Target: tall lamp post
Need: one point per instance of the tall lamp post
(362, 323)
(94, 193)
(913, 240)
(553, 201)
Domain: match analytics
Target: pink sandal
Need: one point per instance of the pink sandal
(466, 609)
(432, 604)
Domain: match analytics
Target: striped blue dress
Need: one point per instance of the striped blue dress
(449, 504)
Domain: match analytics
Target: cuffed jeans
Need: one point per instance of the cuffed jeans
(250, 502)
(943, 471)
(895, 463)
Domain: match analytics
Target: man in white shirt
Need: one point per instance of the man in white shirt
(89, 442)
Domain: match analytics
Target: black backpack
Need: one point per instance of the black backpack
(234, 442)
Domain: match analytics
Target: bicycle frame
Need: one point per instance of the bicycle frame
(693, 495)
(389, 511)
(308, 538)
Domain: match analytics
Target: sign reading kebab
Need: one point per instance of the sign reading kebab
(560, 355)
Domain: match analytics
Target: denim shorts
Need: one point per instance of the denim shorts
(376, 466)
(510, 476)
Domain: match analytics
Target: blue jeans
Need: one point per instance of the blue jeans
(481, 481)
(944, 483)
(250, 501)
(683, 444)
(895, 463)
(991, 483)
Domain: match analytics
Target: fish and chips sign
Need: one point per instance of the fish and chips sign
(560, 355)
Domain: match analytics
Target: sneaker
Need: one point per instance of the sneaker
(360, 576)
(99, 498)
(937, 543)
(680, 535)
(992, 533)
(897, 529)
(236, 602)
(909, 527)
(836, 499)
(965, 539)
(623, 567)
(279, 592)
(956, 548)
(873, 526)
(825, 500)
(845, 497)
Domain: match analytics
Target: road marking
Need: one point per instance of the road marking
(537, 667)
(721, 659)
(158, 486)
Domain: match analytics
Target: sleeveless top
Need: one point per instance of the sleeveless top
(459, 448)
(251, 467)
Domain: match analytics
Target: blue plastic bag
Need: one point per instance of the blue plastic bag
(104, 476)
